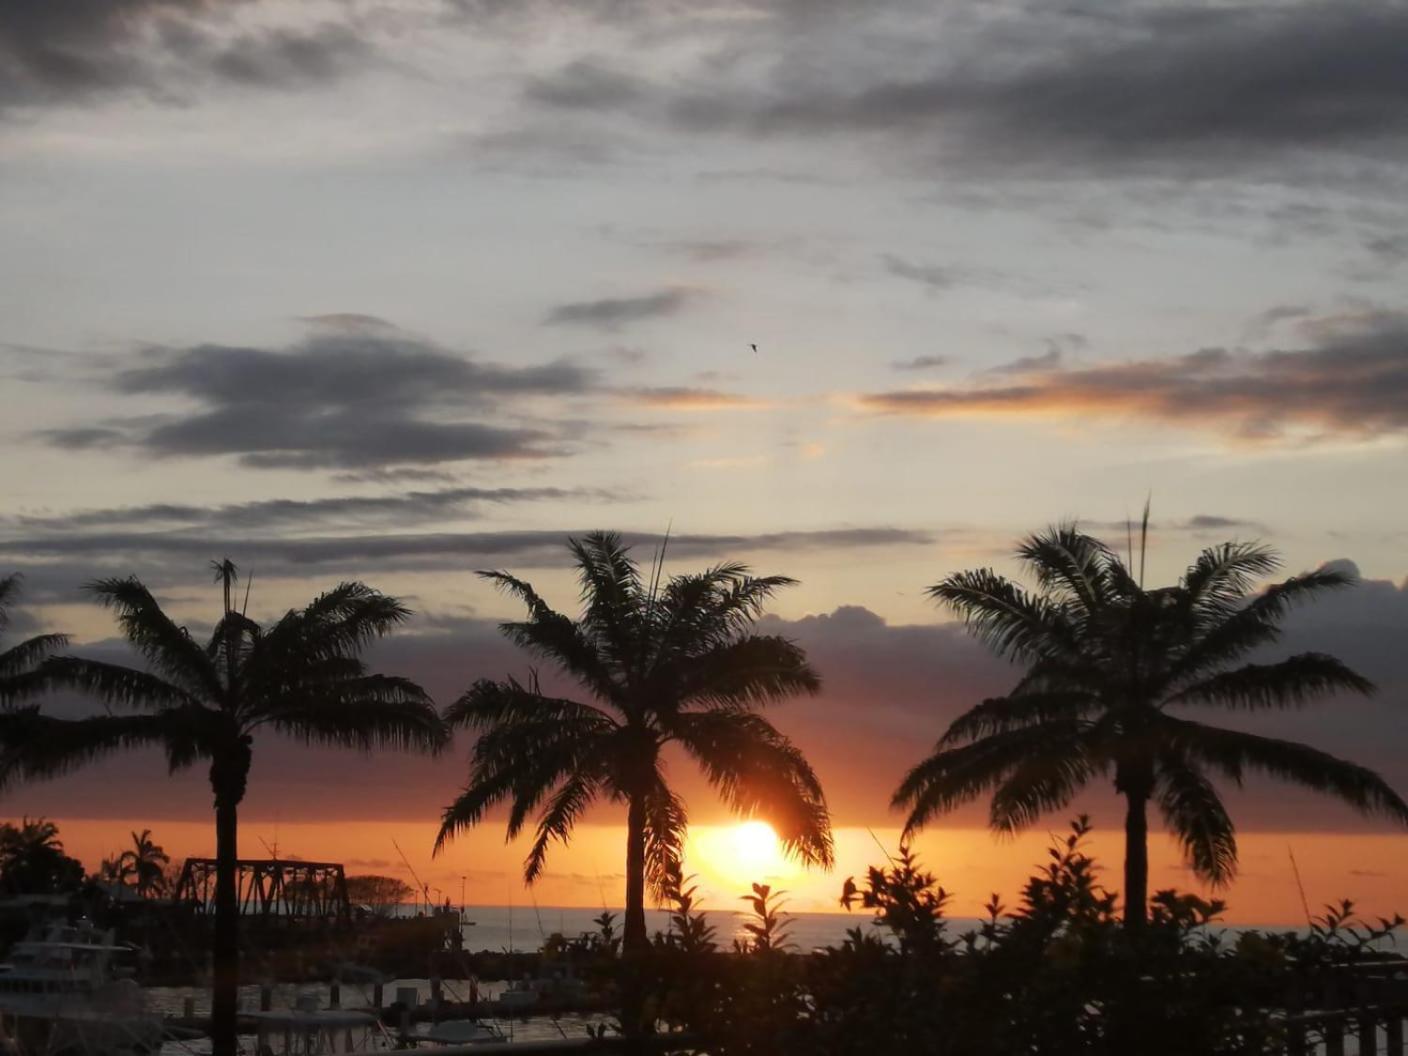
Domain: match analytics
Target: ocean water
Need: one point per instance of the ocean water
(522, 929)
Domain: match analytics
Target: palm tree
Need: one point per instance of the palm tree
(144, 865)
(301, 676)
(1107, 664)
(663, 662)
(19, 677)
(32, 859)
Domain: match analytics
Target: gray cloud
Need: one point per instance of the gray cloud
(612, 312)
(920, 363)
(1353, 382)
(1210, 521)
(282, 58)
(1388, 250)
(408, 507)
(935, 277)
(1162, 87)
(347, 397)
(365, 555)
(1048, 360)
(586, 85)
(84, 50)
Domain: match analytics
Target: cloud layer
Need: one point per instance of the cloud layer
(94, 50)
(348, 397)
(1352, 382)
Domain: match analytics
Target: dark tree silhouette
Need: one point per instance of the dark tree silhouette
(33, 862)
(301, 676)
(1107, 663)
(19, 674)
(143, 865)
(663, 662)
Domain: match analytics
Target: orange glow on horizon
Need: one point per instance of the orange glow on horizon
(1371, 869)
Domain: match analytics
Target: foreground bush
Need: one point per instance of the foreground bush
(1057, 974)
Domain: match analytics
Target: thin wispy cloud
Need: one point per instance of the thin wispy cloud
(610, 313)
(685, 398)
(1354, 383)
(921, 363)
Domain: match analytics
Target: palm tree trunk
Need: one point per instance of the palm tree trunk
(634, 938)
(228, 773)
(1136, 857)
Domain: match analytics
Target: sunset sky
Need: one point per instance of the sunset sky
(398, 290)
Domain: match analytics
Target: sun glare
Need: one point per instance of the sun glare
(755, 847)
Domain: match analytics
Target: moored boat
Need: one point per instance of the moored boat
(70, 989)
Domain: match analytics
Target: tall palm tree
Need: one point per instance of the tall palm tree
(663, 662)
(144, 865)
(301, 676)
(19, 676)
(1108, 662)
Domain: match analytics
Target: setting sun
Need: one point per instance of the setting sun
(755, 847)
(727, 858)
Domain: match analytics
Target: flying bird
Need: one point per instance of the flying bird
(753, 347)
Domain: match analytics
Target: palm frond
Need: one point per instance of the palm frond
(614, 603)
(1233, 752)
(125, 687)
(488, 703)
(1013, 623)
(1194, 811)
(9, 590)
(470, 806)
(559, 817)
(24, 655)
(757, 770)
(368, 712)
(953, 776)
(666, 822)
(1290, 683)
(1222, 576)
(34, 746)
(166, 647)
(1068, 565)
(1017, 710)
(750, 671)
(1047, 778)
(343, 620)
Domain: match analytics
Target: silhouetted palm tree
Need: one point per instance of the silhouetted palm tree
(300, 676)
(1107, 662)
(144, 865)
(19, 677)
(32, 859)
(663, 662)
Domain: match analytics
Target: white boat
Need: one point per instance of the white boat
(69, 989)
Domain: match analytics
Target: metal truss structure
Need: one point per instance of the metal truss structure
(271, 889)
